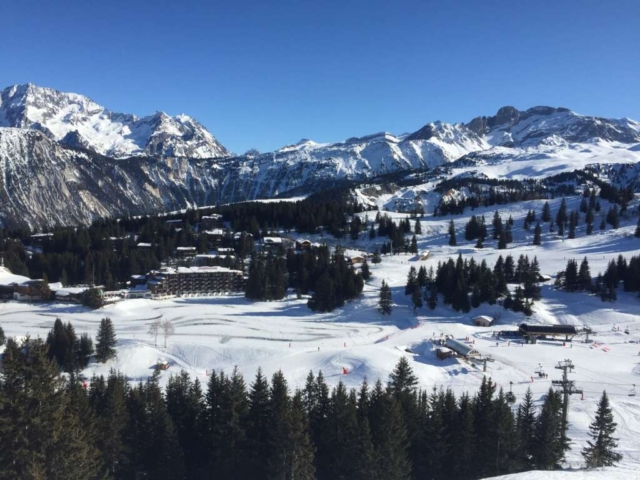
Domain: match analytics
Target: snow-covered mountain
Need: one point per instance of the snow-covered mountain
(78, 121)
(66, 160)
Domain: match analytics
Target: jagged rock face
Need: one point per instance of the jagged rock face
(77, 121)
(70, 161)
(513, 128)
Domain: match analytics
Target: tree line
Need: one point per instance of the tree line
(621, 271)
(464, 284)
(57, 427)
(330, 279)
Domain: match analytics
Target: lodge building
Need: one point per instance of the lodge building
(196, 281)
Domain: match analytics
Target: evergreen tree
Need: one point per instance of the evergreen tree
(416, 299)
(41, 435)
(497, 225)
(2, 337)
(385, 303)
(452, 234)
(584, 275)
(603, 225)
(258, 418)
(537, 235)
(561, 216)
(365, 271)
(613, 217)
(376, 257)
(525, 428)
(324, 297)
(92, 298)
(546, 212)
(549, 449)
(637, 234)
(600, 450)
(84, 350)
(414, 245)
(417, 227)
(412, 281)
(105, 341)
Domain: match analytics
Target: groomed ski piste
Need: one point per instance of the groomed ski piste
(227, 331)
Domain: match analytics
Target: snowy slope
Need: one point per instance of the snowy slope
(225, 331)
(78, 121)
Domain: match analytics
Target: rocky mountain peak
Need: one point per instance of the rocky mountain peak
(76, 120)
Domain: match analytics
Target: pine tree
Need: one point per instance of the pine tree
(497, 225)
(365, 271)
(537, 235)
(417, 228)
(546, 212)
(416, 299)
(385, 303)
(106, 341)
(600, 451)
(2, 337)
(603, 225)
(258, 428)
(92, 298)
(414, 245)
(549, 449)
(584, 275)
(561, 216)
(41, 435)
(525, 428)
(376, 257)
(637, 234)
(452, 234)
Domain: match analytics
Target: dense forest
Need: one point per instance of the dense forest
(107, 252)
(60, 427)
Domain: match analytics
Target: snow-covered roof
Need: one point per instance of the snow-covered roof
(273, 240)
(67, 291)
(144, 245)
(213, 216)
(7, 278)
(42, 235)
(215, 231)
(172, 270)
(186, 249)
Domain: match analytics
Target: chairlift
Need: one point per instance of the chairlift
(539, 371)
(626, 330)
(632, 392)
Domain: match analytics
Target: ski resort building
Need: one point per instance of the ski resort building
(188, 281)
(461, 349)
(533, 332)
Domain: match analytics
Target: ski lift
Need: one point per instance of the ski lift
(539, 371)
(626, 330)
(632, 392)
(510, 396)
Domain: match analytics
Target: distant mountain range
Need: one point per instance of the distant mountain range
(66, 160)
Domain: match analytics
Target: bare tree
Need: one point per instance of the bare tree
(167, 330)
(154, 330)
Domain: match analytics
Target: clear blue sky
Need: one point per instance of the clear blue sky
(265, 74)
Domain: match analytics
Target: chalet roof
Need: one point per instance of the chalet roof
(460, 348)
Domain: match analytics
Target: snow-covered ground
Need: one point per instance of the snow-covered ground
(227, 331)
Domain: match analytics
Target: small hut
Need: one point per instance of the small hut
(483, 321)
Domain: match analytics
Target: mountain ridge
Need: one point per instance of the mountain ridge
(58, 167)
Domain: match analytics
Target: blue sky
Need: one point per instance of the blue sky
(265, 74)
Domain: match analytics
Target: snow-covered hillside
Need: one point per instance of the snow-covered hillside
(78, 121)
(222, 332)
